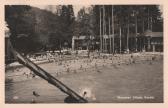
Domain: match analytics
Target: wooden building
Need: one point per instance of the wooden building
(84, 43)
(154, 41)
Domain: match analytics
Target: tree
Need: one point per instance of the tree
(85, 25)
(67, 19)
(31, 27)
(21, 26)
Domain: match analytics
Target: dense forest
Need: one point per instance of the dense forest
(33, 29)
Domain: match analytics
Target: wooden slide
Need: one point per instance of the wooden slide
(48, 77)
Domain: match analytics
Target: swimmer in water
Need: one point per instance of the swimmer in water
(84, 94)
(35, 94)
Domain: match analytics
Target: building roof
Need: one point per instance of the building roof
(81, 37)
(153, 34)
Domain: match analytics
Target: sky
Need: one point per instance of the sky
(75, 7)
(78, 7)
(161, 9)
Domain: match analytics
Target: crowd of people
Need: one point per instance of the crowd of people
(65, 64)
(76, 63)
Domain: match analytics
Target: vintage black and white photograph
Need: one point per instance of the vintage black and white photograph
(84, 54)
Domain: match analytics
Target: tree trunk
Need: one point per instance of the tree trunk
(151, 23)
(128, 36)
(120, 39)
(113, 28)
(100, 31)
(148, 18)
(103, 27)
(143, 29)
(105, 44)
(110, 34)
(88, 45)
(60, 46)
(136, 32)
